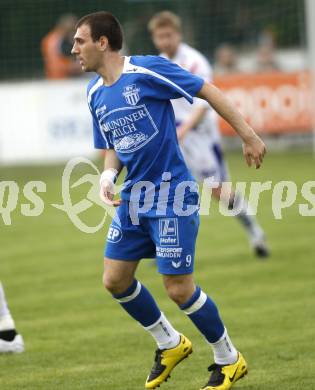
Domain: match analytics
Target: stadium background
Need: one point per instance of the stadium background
(207, 23)
(76, 337)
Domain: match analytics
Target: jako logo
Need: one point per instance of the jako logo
(114, 234)
(176, 265)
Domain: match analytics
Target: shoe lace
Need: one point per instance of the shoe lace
(216, 377)
(158, 354)
(157, 361)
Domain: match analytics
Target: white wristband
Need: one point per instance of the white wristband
(110, 175)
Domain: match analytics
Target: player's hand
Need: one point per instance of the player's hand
(107, 192)
(254, 151)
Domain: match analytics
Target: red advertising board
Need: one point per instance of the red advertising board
(271, 103)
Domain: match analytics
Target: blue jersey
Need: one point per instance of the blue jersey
(135, 117)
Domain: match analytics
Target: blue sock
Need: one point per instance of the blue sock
(139, 303)
(204, 314)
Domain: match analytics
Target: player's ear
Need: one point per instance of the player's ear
(103, 43)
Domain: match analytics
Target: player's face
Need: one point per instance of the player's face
(166, 40)
(86, 50)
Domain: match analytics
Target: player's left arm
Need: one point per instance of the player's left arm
(253, 147)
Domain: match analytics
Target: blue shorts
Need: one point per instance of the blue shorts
(171, 240)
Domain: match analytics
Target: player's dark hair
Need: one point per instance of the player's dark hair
(103, 23)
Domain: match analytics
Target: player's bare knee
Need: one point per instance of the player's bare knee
(118, 275)
(177, 292)
(108, 282)
(179, 288)
(115, 284)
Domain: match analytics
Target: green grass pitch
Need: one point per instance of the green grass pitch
(77, 337)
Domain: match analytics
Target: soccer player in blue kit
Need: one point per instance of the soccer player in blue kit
(157, 215)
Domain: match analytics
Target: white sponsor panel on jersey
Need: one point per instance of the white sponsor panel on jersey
(122, 127)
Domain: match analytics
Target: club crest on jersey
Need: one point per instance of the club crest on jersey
(131, 94)
(168, 232)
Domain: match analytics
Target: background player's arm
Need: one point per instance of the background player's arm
(253, 147)
(200, 108)
(112, 168)
(194, 119)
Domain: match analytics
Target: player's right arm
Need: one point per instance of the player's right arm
(112, 168)
(112, 164)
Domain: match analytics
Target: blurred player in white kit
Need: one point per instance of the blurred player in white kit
(197, 128)
(10, 340)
